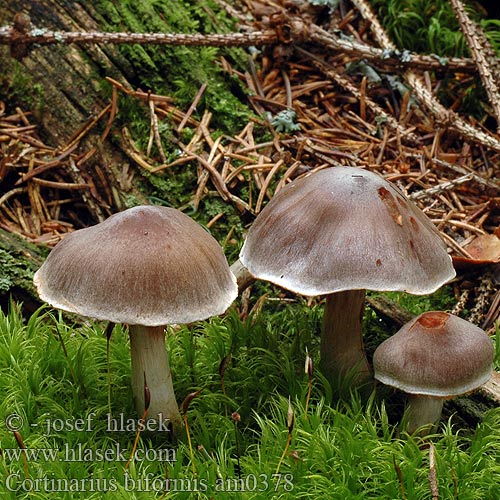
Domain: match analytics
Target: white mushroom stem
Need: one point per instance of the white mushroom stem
(243, 277)
(150, 362)
(342, 348)
(423, 411)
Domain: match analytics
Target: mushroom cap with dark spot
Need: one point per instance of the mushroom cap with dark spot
(147, 265)
(436, 354)
(345, 228)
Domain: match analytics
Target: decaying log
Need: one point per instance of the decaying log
(18, 262)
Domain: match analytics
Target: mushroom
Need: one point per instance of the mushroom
(434, 357)
(338, 232)
(148, 267)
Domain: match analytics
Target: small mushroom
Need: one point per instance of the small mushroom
(338, 232)
(148, 267)
(434, 357)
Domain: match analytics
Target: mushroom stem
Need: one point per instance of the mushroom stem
(423, 411)
(342, 348)
(150, 364)
(243, 277)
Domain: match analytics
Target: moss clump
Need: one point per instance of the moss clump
(13, 273)
(432, 28)
(16, 84)
(18, 262)
(420, 26)
(179, 71)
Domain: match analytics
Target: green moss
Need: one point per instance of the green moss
(175, 187)
(18, 262)
(15, 271)
(179, 71)
(11, 272)
(421, 26)
(16, 84)
(431, 28)
(347, 449)
(441, 300)
(492, 29)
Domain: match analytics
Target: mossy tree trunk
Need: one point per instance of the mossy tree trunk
(62, 86)
(18, 262)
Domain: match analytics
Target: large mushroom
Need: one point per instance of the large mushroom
(148, 267)
(338, 232)
(434, 357)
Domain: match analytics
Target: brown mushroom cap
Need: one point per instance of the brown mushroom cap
(345, 228)
(147, 265)
(436, 354)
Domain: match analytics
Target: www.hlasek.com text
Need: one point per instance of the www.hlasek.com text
(82, 453)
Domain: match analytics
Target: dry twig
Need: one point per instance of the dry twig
(482, 51)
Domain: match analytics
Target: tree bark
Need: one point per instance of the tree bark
(18, 262)
(63, 87)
